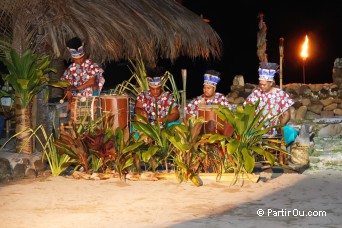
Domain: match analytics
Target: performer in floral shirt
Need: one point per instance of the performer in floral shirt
(148, 100)
(84, 75)
(209, 96)
(275, 100)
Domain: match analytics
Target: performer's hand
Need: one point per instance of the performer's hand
(68, 96)
(279, 131)
(142, 113)
(162, 120)
(70, 88)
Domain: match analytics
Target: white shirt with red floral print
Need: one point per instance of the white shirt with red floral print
(218, 99)
(163, 103)
(275, 102)
(78, 74)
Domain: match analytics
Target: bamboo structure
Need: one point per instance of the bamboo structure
(184, 76)
(281, 54)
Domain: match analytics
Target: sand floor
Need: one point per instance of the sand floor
(313, 198)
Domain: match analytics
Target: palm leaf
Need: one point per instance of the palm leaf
(27, 74)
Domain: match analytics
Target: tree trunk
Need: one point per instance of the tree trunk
(22, 117)
(34, 119)
(42, 118)
(56, 93)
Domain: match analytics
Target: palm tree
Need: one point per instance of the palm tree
(27, 74)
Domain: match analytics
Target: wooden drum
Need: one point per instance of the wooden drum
(117, 106)
(83, 108)
(213, 124)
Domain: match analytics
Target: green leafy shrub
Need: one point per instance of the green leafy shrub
(248, 139)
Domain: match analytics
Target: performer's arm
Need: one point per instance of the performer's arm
(139, 109)
(173, 116)
(285, 117)
(90, 83)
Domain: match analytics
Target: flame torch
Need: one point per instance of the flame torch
(304, 54)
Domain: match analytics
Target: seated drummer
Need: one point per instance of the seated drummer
(273, 100)
(146, 100)
(209, 96)
(84, 75)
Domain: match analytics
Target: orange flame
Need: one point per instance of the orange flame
(305, 48)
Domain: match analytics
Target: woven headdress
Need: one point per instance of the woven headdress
(267, 71)
(211, 77)
(75, 47)
(154, 82)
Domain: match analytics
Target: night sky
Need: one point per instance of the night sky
(237, 25)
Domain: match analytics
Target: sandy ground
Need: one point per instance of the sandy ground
(313, 198)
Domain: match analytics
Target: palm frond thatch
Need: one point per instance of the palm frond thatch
(112, 29)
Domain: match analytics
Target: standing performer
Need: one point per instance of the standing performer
(84, 75)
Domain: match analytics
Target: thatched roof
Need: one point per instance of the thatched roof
(112, 29)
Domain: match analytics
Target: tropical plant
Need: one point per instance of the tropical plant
(58, 162)
(138, 71)
(97, 147)
(193, 152)
(89, 142)
(248, 139)
(138, 82)
(81, 141)
(27, 74)
(125, 152)
(4, 93)
(100, 143)
(108, 146)
(187, 157)
(159, 148)
(96, 163)
(70, 142)
(212, 157)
